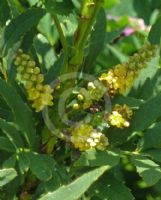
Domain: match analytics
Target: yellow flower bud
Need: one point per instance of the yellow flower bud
(39, 94)
(120, 116)
(40, 78)
(76, 106)
(84, 137)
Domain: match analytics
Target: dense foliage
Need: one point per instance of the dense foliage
(80, 100)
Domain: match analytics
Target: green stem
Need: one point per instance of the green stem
(89, 12)
(63, 41)
(94, 14)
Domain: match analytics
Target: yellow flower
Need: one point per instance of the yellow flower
(121, 77)
(120, 116)
(85, 137)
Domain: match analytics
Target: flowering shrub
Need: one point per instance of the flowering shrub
(80, 100)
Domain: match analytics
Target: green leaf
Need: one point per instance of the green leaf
(47, 28)
(45, 52)
(144, 83)
(151, 138)
(75, 189)
(10, 162)
(12, 133)
(41, 165)
(33, 2)
(155, 32)
(96, 42)
(59, 7)
(7, 175)
(130, 101)
(154, 154)
(147, 169)
(22, 114)
(95, 158)
(54, 71)
(4, 12)
(23, 162)
(147, 114)
(108, 187)
(23, 23)
(6, 145)
(111, 36)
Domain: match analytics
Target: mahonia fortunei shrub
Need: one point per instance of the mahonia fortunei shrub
(76, 120)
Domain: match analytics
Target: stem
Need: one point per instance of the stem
(89, 12)
(63, 41)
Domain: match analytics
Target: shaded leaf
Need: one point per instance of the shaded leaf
(155, 32)
(96, 42)
(41, 165)
(12, 133)
(108, 187)
(147, 114)
(59, 7)
(22, 114)
(151, 138)
(4, 12)
(6, 145)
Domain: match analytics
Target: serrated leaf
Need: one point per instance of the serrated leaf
(7, 175)
(95, 158)
(19, 26)
(147, 169)
(12, 133)
(151, 138)
(59, 7)
(41, 165)
(75, 189)
(155, 32)
(108, 187)
(6, 145)
(22, 114)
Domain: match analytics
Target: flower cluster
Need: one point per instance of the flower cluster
(85, 137)
(121, 77)
(32, 79)
(85, 97)
(120, 116)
